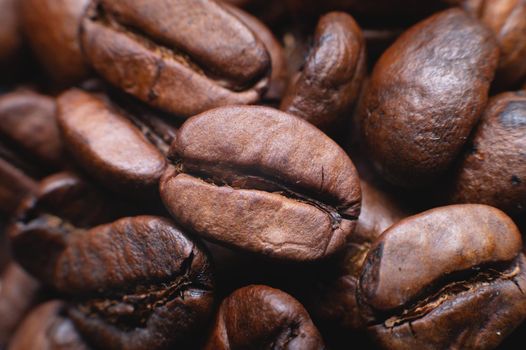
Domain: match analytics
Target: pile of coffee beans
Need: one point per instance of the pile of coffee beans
(262, 174)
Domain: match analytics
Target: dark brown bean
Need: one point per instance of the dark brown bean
(28, 124)
(279, 75)
(324, 91)
(138, 283)
(263, 181)
(452, 277)
(260, 317)
(507, 19)
(108, 145)
(30, 145)
(493, 169)
(183, 56)
(52, 29)
(425, 95)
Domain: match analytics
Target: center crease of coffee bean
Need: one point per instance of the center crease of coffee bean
(453, 285)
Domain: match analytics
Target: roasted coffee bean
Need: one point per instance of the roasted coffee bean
(28, 127)
(49, 328)
(264, 181)
(425, 95)
(449, 278)
(260, 317)
(324, 91)
(52, 29)
(183, 56)
(279, 75)
(136, 283)
(18, 293)
(507, 19)
(30, 146)
(493, 168)
(109, 146)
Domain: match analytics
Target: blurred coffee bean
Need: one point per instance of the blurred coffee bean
(18, 293)
(136, 283)
(181, 56)
(507, 19)
(49, 328)
(425, 94)
(324, 91)
(263, 181)
(28, 123)
(109, 146)
(451, 277)
(51, 27)
(30, 145)
(260, 317)
(493, 168)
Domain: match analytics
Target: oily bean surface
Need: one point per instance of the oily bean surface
(425, 95)
(263, 181)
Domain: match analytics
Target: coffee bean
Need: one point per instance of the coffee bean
(182, 56)
(263, 181)
(136, 283)
(108, 146)
(495, 173)
(507, 19)
(260, 317)
(30, 145)
(325, 90)
(279, 75)
(451, 276)
(52, 29)
(28, 127)
(425, 95)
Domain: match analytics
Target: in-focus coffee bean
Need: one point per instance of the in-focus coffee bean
(264, 181)
(450, 277)
(183, 56)
(108, 146)
(324, 91)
